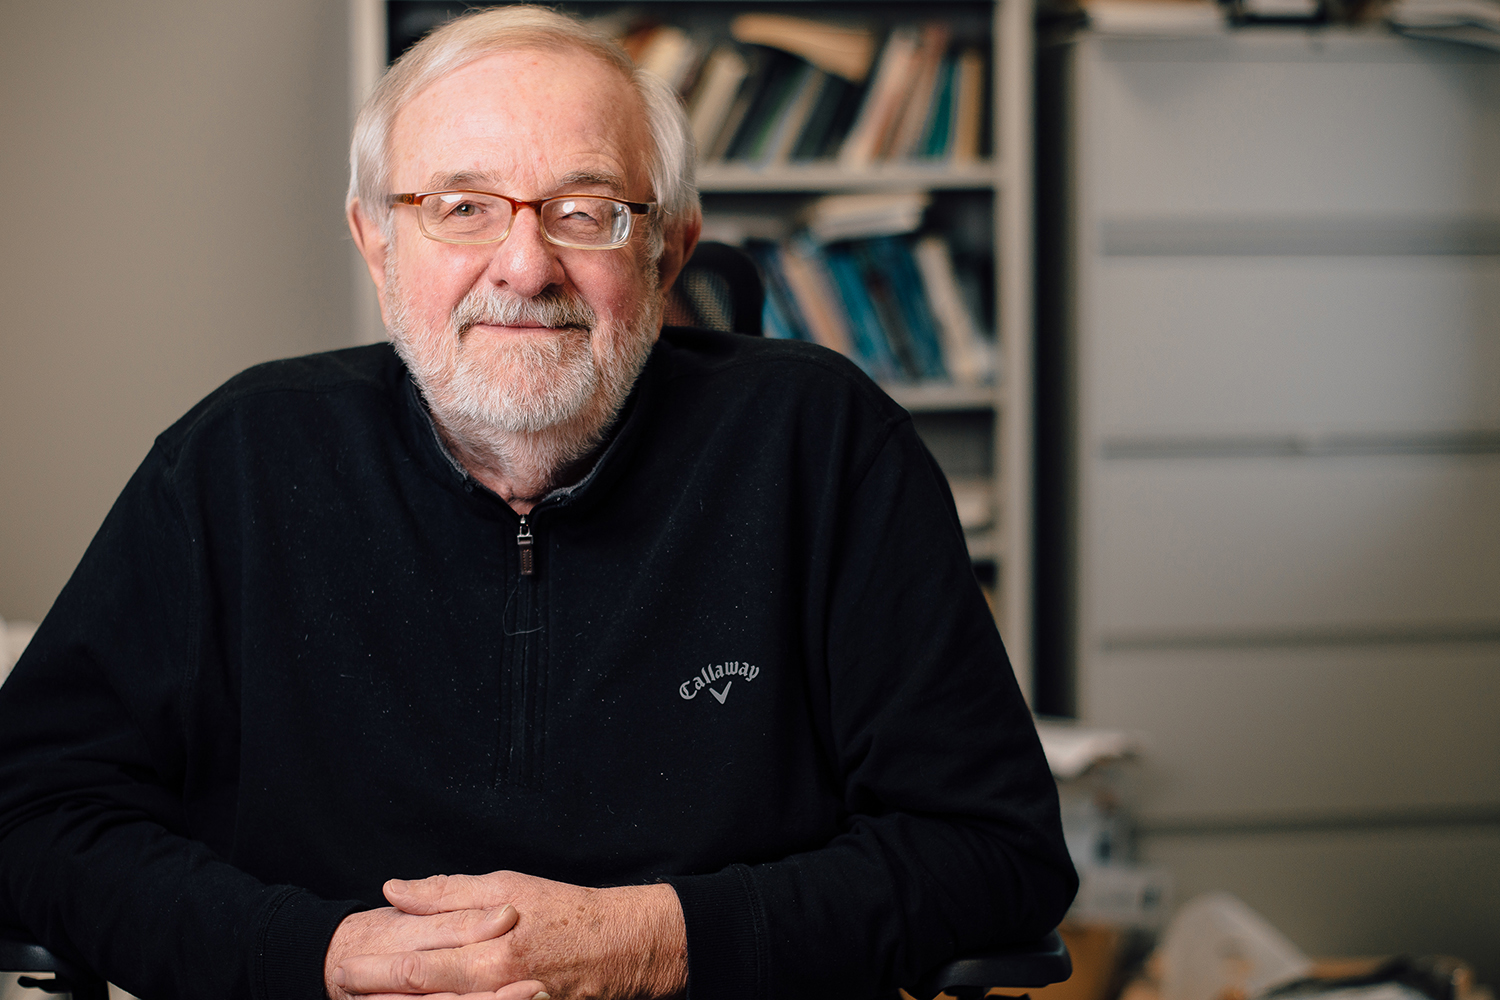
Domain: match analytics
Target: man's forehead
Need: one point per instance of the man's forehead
(565, 114)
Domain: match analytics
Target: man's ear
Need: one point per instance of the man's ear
(681, 238)
(372, 246)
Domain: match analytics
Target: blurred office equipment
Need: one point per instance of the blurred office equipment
(27, 971)
(1269, 464)
(1094, 768)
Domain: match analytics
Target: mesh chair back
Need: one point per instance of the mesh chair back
(719, 289)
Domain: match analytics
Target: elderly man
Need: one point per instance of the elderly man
(673, 634)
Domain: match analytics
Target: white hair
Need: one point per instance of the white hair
(477, 34)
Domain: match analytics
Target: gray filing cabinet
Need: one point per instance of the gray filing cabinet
(1281, 307)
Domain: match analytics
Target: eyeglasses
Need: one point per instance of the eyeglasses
(585, 222)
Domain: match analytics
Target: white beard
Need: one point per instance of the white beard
(538, 401)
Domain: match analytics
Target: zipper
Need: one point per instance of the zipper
(521, 672)
(523, 548)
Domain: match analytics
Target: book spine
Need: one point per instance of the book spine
(967, 356)
(906, 282)
(968, 107)
(766, 106)
(883, 101)
(781, 305)
(934, 144)
(807, 277)
(864, 327)
(757, 68)
(883, 297)
(788, 128)
(718, 83)
(908, 127)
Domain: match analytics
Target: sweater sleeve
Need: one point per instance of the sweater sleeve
(951, 840)
(104, 852)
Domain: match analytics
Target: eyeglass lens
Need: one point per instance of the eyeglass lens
(469, 217)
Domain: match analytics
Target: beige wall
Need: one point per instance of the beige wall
(173, 174)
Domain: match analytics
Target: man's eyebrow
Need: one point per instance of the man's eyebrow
(485, 181)
(588, 178)
(462, 179)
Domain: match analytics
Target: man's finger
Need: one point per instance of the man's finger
(471, 970)
(456, 929)
(446, 892)
(403, 972)
(528, 989)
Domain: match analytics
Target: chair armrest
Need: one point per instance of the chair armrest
(20, 953)
(1022, 966)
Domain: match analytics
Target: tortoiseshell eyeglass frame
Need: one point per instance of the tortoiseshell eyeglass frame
(414, 199)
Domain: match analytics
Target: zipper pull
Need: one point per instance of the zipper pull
(523, 545)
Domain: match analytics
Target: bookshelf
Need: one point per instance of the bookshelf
(981, 434)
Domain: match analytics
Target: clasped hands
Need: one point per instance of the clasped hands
(509, 936)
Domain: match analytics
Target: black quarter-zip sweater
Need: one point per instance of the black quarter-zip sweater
(303, 656)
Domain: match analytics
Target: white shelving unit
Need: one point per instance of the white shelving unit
(1285, 329)
(995, 419)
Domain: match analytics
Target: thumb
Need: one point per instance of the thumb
(418, 896)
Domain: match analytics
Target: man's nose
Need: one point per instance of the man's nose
(524, 262)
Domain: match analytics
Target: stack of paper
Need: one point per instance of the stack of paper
(1469, 22)
(1072, 749)
(1156, 18)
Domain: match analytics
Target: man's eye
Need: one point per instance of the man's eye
(572, 211)
(462, 210)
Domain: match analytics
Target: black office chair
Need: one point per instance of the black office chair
(719, 289)
(19, 953)
(1021, 966)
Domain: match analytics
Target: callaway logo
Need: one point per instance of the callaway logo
(712, 674)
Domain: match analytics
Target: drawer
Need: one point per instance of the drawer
(1210, 346)
(1236, 547)
(1319, 732)
(1285, 123)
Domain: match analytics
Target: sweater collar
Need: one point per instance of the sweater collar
(620, 441)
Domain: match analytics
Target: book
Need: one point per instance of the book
(865, 331)
(939, 128)
(908, 126)
(884, 302)
(844, 51)
(968, 107)
(830, 120)
(759, 66)
(719, 82)
(788, 128)
(849, 216)
(634, 36)
(670, 54)
(811, 285)
(967, 357)
(777, 87)
(887, 91)
(780, 317)
(892, 255)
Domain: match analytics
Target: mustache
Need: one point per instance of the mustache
(551, 308)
